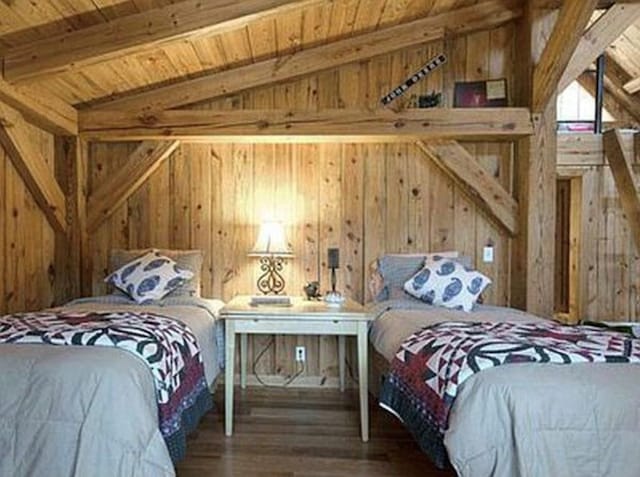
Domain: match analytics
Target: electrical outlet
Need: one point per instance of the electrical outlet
(487, 256)
(301, 354)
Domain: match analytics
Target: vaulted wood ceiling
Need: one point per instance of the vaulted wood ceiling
(299, 24)
(25, 22)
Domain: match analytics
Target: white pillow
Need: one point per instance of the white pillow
(149, 277)
(445, 282)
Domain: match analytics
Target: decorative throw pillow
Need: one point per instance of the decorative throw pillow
(396, 269)
(445, 282)
(186, 259)
(149, 277)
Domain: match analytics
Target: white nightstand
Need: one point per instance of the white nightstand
(301, 318)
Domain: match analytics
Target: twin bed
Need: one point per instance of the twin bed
(533, 419)
(94, 410)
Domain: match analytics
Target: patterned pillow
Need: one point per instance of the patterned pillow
(149, 277)
(396, 268)
(445, 282)
(186, 259)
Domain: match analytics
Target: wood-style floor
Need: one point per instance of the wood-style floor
(296, 432)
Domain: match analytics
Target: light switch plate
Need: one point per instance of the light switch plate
(487, 254)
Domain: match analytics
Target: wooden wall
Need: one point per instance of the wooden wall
(366, 199)
(611, 262)
(26, 240)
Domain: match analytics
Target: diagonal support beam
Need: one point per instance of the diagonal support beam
(624, 177)
(42, 110)
(483, 189)
(142, 163)
(572, 20)
(598, 38)
(484, 15)
(31, 166)
(150, 29)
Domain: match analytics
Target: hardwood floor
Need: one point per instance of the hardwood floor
(301, 432)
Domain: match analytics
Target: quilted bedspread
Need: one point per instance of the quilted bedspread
(167, 346)
(434, 362)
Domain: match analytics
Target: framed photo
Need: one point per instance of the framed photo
(481, 94)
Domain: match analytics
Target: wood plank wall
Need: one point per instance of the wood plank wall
(366, 199)
(26, 238)
(612, 270)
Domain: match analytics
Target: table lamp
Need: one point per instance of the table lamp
(272, 249)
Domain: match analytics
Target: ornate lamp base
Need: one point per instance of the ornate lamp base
(271, 281)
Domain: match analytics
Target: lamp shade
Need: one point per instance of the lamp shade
(271, 241)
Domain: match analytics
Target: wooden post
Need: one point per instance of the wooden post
(72, 266)
(532, 274)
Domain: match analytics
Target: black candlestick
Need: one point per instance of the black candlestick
(333, 260)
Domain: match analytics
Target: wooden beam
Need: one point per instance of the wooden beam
(533, 250)
(42, 110)
(598, 38)
(151, 29)
(486, 15)
(624, 178)
(572, 20)
(616, 101)
(632, 86)
(266, 126)
(144, 161)
(615, 79)
(483, 189)
(32, 168)
(72, 257)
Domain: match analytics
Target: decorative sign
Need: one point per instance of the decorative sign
(414, 78)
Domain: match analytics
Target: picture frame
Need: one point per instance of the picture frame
(481, 94)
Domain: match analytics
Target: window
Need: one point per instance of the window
(577, 105)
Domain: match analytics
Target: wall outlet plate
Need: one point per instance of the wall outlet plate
(487, 254)
(301, 354)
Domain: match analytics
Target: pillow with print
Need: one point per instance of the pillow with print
(149, 277)
(445, 282)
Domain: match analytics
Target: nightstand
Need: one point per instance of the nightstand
(301, 318)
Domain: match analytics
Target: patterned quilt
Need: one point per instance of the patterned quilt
(432, 363)
(166, 345)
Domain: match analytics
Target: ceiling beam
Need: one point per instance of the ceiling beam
(624, 177)
(126, 35)
(615, 79)
(482, 188)
(485, 15)
(598, 38)
(572, 20)
(614, 101)
(40, 109)
(632, 86)
(32, 167)
(140, 165)
(279, 125)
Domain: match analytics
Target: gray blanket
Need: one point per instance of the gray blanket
(90, 411)
(529, 420)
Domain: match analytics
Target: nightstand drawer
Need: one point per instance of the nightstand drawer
(295, 327)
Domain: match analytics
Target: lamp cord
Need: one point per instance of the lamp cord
(301, 368)
(257, 359)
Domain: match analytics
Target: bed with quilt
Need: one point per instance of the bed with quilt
(498, 392)
(108, 385)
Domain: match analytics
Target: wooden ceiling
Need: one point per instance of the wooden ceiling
(307, 23)
(323, 21)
